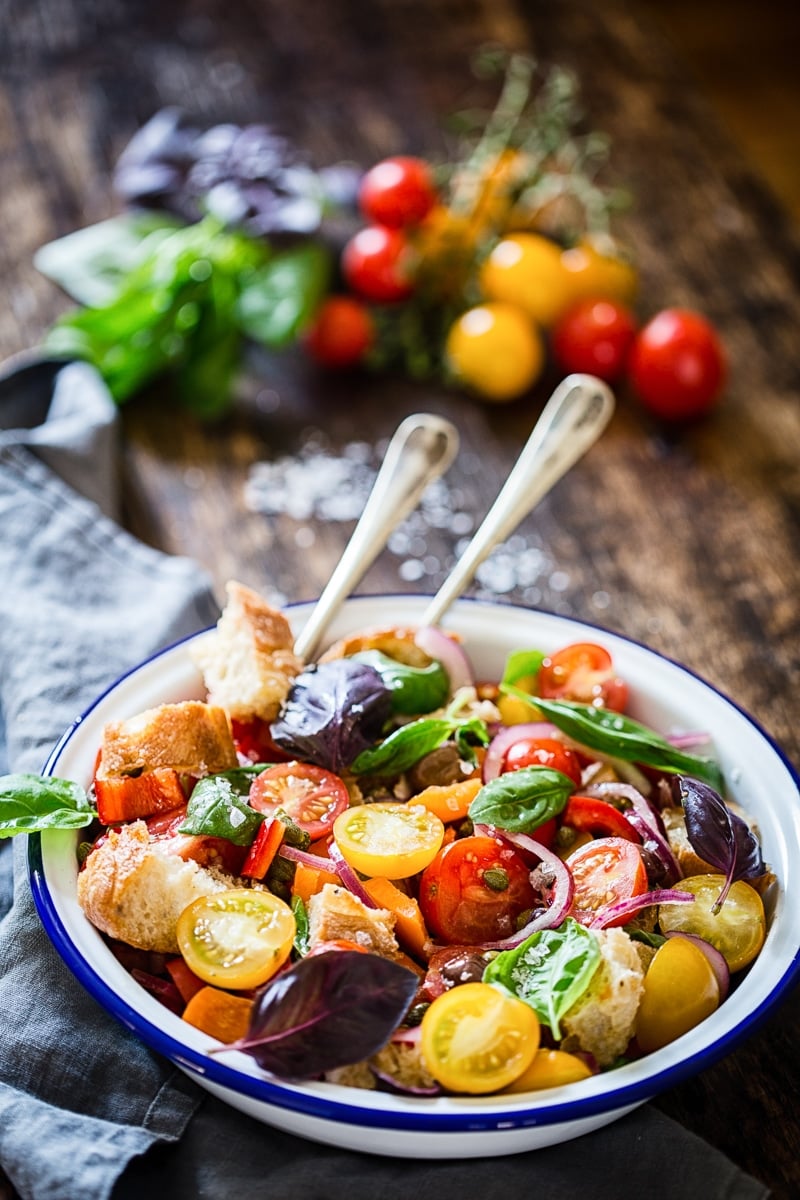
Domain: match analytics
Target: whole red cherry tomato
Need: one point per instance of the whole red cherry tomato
(376, 263)
(397, 192)
(342, 332)
(584, 672)
(677, 365)
(595, 336)
(543, 752)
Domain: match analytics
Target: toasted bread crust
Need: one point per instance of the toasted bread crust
(192, 738)
(248, 663)
(134, 892)
(335, 913)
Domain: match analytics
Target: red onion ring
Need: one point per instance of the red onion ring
(648, 825)
(508, 735)
(449, 653)
(716, 960)
(563, 889)
(349, 877)
(627, 908)
(308, 860)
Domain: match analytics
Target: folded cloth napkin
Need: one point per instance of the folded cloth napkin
(86, 1111)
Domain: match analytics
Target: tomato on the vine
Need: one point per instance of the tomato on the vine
(377, 264)
(341, 332)
(596, 272)
(496, 350)
(583, 672)
(525, 269)
(311, 796)
(595, 337)
(543, 752)
(474, 890)
(677, 365)
(397, 192)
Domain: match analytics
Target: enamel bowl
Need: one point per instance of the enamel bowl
(664, 695)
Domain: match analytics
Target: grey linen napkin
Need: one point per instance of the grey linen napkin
(86, 1111)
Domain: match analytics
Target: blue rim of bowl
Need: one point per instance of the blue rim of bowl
(206, 1067)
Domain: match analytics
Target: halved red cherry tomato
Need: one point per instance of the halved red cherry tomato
(474, 890)
(583, 672)
(604, 872)
(597, 817)
(397, 191)
(543, 752)
(376, 263)
(311, 796)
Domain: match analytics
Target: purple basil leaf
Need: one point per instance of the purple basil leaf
(332, 713)
(717, 834)
(327, 1011)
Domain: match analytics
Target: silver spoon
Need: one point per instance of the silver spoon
(421, 450)
(572, 420)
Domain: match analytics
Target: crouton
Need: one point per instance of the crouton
(398, 644)
(132, 889)
(191, 738)
(335, 913)
(248, 663)
(602, 1021)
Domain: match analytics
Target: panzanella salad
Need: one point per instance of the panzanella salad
(376, 870)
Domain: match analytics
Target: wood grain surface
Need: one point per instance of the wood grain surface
(686, 540)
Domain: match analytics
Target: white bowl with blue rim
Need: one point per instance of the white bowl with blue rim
(664, 695)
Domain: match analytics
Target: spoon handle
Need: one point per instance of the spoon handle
(572, 420)
(421, 450)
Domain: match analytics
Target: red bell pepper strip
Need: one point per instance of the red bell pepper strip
(263, 850)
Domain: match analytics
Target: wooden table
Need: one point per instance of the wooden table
(684, 540)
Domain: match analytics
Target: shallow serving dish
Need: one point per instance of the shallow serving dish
(663, 695)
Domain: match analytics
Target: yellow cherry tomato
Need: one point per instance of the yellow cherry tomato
(737, 930)
(550, 1068)
(526, 269)
(516, 711)
(477, 1039)
(388, 839)
(592, 273)
(495, 350)
(236, 939)
(680, 991)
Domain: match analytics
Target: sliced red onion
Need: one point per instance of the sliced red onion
(687, 741)
(627, 908)
(163, 990)
(449, 653)
(508, 735)
(396, 1085)
(349, 877)
(645, 820)
(716, 960)
(563, 889)
(308, 860)
(408, 1035)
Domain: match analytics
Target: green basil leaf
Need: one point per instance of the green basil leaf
(280, 299)
(522, 800)
(469, 734)
(31, 803)
(521, 664)
(621, 737)
(414, 689)
(301, 934)
(550, 970)
(91, 265)
(218, 808)
(401, 749)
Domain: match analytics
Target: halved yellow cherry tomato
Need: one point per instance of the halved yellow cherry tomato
(388, 839)
(737, 930)
(477, 1039)
(680, 991)
(236, 939)
(550, 1068)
